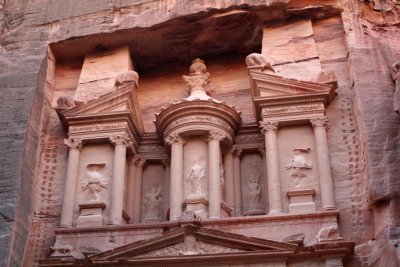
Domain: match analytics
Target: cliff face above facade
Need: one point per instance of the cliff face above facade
(358, 40)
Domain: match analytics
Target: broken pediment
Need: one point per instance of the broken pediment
(115, 113)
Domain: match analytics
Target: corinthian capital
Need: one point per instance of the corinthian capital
(120, 140)
(73, 143)
(216, 135)
(174, 138)
(270, 126)
(319, 122)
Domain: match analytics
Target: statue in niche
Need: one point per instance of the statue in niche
(396, 79)
(196, 178)
(95, 182)
(298, 165)
(152, 203)
(254, 191)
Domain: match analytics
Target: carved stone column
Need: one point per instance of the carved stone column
(214, 179)
(176, 189)
(272, 159)
(120, 143)
(138, 190)
(67, 212)
(324, 167)
(229, 178)
(237, 182)
(130, 198)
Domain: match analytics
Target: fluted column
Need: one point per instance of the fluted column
(237, 182)
(67, 212)
(176, 188)
(214, 178)
(324, 167)
(120, 143)
(138, 190)
(229, 178)
(130, 198)
(269, 130)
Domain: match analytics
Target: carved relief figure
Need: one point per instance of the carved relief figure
(222, 180)
(95, 182)
(396, 79)
(196, 178)
(298, 165)
(152, 203)
(254, 191)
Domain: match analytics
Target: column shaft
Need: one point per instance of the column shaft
(229, 178)
(324, 167)
(118, 180)
(130, 198)
(214, 179)
(272, 160)
(237, 183)
(176, 188)
(138, 192)
(67, 212)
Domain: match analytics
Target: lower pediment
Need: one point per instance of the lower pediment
(190, 245)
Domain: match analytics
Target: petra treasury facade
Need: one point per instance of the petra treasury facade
(200, 133)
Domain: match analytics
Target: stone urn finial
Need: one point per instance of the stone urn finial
(198, 81)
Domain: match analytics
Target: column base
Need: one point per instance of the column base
(302, 201)
(91, 214)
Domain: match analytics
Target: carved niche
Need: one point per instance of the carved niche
(252, 184)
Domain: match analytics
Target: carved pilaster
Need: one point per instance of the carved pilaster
(320, 122)
(270, 126)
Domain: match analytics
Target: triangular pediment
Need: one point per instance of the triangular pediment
(272, 86)
(191, 240)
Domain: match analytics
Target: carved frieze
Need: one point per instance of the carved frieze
(97, 127)
(269, 111)
(198, 119)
